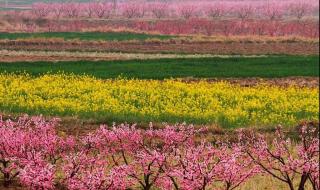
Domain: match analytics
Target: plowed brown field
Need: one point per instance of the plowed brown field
(216, 48)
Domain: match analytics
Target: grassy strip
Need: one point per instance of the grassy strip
(106, 36)
(120, 35)
(266, 67)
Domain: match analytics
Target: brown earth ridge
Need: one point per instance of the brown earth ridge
(214, 48)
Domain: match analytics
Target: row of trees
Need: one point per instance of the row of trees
(273, 10)
(123, 157)
(307, 29)
(231, 28)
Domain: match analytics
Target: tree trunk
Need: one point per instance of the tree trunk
(114, 4)
(6, 180)
(6, 175)
(290, 185)
(147, 187)
(303, 180)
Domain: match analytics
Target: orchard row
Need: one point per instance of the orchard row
(196, 26)
(272, 10)
(124, 157)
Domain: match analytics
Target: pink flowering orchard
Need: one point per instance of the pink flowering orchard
(221, 18)
(159, 95)
(123, 157)
(248, 9)
(224, 18)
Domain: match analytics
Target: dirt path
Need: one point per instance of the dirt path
(309, 82)
(215, 48)
(31, 56)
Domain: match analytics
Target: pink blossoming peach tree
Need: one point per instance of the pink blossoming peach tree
(125, 157)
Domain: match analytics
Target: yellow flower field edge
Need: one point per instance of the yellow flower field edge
(225, 104)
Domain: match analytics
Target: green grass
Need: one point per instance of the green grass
(106, 36)
(266, 67)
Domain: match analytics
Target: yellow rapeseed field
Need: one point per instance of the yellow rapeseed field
(151, 100)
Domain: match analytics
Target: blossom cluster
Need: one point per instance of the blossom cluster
(124, 157)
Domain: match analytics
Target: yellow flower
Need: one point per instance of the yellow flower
(151, 100)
